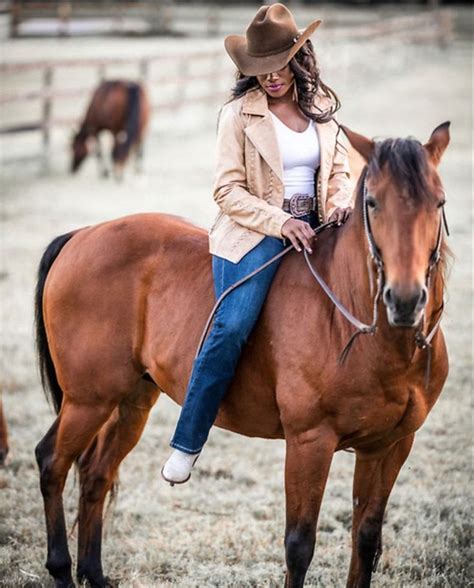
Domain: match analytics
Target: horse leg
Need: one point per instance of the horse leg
(98, 467)
(103, 171)
(139, 157)
(116, 163)
(373, 481)
(308, 459)
(69, 435)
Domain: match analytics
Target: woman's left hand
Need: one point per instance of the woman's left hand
(340, 215)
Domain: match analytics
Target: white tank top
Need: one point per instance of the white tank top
(300, 157)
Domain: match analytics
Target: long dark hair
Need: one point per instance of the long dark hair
(305, 69)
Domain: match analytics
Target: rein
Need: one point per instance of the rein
(422, 341)
(317, 230)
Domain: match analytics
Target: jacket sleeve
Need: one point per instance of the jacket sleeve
(230, 187)
(339, 184)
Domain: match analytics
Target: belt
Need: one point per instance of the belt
(299, 204)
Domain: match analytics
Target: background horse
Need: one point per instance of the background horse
(120, 307)
(122, 108)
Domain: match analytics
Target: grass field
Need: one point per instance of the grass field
(225, 528)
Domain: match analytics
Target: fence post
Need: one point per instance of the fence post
(213, 20)
(47, 103)
(182, 76)
(101, 72)
(144, 67)
(15, 18)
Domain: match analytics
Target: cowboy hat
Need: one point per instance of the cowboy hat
(270, 41)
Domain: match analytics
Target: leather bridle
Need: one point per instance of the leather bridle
(422, 341)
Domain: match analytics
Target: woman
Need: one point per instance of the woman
(276, 140)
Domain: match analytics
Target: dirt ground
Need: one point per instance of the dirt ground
(225, 528)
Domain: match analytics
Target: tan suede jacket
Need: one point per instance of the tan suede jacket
(249, 176)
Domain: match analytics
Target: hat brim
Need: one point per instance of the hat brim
(236, 47)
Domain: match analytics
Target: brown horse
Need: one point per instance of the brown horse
(3, 436)
(122, 108)
(120, 308)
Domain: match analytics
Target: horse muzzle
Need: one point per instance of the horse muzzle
(405, 308)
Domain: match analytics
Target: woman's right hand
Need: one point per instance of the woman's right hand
(299, 233)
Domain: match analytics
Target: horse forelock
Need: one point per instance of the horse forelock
(406, 162)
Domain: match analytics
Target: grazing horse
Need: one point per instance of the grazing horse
(120, 307)
(122, 108)
(3, 436)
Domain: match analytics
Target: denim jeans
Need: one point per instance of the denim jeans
(234, 320)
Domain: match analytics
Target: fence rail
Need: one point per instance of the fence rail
(47, 94)
(427, 26)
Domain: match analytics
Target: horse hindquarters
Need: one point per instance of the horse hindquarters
(98, 469)
(76, 425)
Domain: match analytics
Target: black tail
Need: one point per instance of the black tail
(132, 127)
(48, 373)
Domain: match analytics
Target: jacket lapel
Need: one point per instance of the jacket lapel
(261, 133)
(326, 138)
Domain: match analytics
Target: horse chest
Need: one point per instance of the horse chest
(384, 417)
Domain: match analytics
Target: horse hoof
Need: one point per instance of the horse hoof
(103, 582)
(64, 583)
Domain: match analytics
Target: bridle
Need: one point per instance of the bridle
(422, 341)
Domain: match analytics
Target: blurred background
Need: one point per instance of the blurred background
(400, 69)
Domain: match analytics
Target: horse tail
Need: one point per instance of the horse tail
(45, 362)
(132, 123)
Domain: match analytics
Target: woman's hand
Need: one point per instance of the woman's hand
(340, 215)
(299, 233)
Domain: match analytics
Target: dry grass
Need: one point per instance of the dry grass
(225, 528)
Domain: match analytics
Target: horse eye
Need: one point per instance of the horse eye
(371, 202)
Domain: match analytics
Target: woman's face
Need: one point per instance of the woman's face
(278, 83)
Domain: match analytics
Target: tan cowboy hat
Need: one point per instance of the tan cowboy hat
(271, 40)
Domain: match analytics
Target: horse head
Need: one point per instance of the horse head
(80, 150)
(400, 199)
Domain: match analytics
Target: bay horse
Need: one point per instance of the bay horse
(120, 307)
(118, 106)
(4, 448)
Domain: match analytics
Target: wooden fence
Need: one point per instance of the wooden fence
(180, 78)
(427, 26)
(157, 14)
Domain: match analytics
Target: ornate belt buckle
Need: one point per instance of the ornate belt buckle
(300, 204)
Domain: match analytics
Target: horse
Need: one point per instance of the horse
(106, 353)
(4, 448)
(118, 106)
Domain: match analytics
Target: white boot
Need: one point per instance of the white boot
(177, 469)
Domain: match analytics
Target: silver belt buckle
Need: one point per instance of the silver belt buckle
(300, 204)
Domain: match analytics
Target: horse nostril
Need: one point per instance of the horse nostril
(423, 296)
(387, 296)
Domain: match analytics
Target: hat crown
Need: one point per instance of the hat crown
(272, 30)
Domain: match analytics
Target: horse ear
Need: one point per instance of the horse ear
(438, 142)
(360, 143)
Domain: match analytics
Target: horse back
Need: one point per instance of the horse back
(113, 103)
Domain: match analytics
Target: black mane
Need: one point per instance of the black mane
(407, 164)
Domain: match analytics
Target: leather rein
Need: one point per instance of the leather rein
(422, 341)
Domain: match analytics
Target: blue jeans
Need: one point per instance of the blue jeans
(234, 320)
